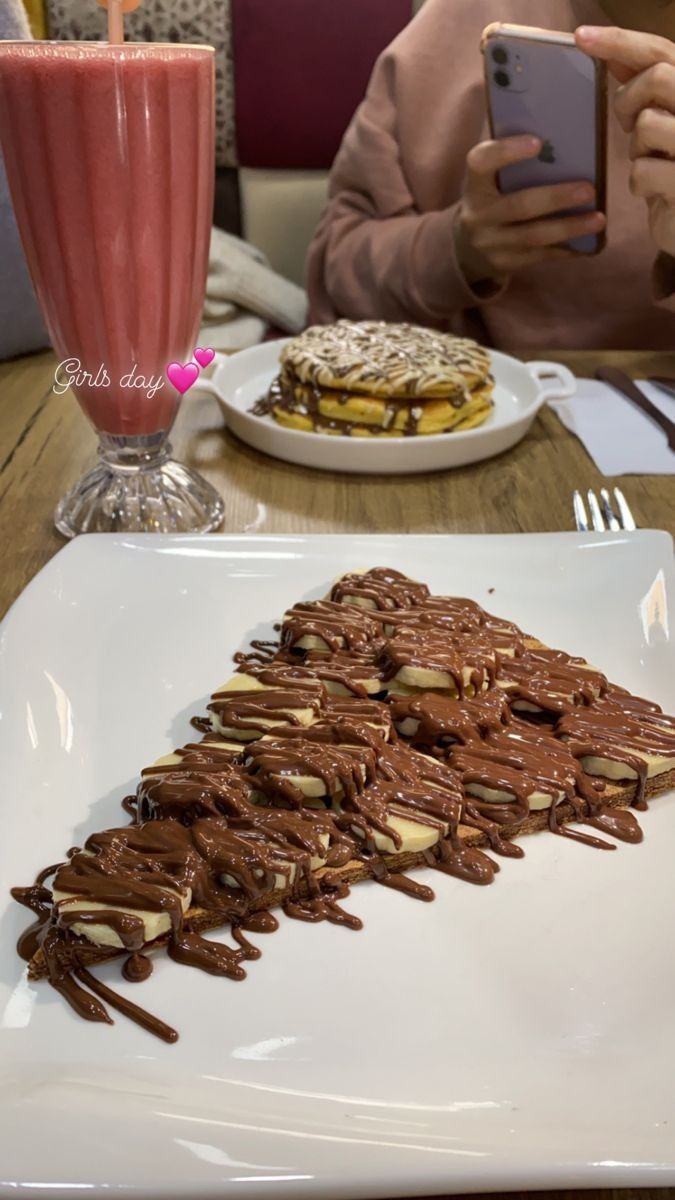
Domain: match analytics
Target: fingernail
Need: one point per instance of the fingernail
(587, 33)
(530, 143)
(597, 220)
(584, 193)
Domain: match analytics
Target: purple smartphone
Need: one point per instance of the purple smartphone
(538, 82)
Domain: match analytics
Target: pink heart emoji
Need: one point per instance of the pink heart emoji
(204, 356)
(182, 375)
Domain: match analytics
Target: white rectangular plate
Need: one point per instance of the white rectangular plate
(516, 1036)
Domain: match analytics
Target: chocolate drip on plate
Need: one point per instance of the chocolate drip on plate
(137, 968)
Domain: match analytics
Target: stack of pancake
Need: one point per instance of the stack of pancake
(372, 379)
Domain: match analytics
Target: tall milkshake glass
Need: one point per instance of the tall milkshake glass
(109, 156)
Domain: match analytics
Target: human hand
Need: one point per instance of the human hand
(499, 234)
(644, 64)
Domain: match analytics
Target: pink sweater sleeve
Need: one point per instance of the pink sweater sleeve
(385, 246)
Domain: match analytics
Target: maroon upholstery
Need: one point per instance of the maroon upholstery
(301, 68)
(227, 201)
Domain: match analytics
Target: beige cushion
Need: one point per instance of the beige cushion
(280, 211)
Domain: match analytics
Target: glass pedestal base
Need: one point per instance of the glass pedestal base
(138, 488)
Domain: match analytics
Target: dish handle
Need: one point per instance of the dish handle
(204, 384)
(553, 380)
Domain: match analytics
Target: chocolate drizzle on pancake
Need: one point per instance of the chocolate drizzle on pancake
(375, 379)
(385, 359)
(316, 763)
(405, 417)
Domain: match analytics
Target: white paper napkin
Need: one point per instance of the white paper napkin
(619, 438)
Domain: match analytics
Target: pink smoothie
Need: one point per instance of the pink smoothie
(109, 155)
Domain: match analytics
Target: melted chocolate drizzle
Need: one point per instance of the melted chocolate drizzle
(309, 762)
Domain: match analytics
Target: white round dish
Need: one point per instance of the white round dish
(520, 390)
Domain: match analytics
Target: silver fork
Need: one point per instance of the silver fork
(605, 513)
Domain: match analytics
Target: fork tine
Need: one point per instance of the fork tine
(596, 515)
(580, 514)
(625, 515)
(613, 522)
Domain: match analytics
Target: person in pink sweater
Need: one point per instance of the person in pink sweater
(417, 230)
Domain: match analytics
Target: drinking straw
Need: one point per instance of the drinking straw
(115, 22)
(116, 10)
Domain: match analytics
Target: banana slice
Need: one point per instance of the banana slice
(359, 712)
(378, 588)
(515, 764)
(438, 720)
(324, 626)
(310, 641)
(537, 801)
(284, 877)
(154, 923)
(157, 923)
(537, 684)
(178, 756)
(312, 787)
(423, 679)
(408, 726)
(341, 672)
(620, 737)
(359, 602)
(309, 785)
(287, 871)
(433, 660)
(594, 765)
(372, 686)
(415, 835)
(304, 716)
(253, 725)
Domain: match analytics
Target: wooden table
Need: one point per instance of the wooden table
(46, 444)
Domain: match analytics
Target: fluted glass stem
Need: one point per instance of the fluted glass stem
(138, 488)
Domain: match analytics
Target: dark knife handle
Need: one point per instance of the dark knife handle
(619, 380)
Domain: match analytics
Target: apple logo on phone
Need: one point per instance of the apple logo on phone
(547, 153)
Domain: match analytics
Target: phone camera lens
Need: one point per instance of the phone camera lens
(502, 79)
(500, 55)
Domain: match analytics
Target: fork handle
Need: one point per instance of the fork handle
(619, 380)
